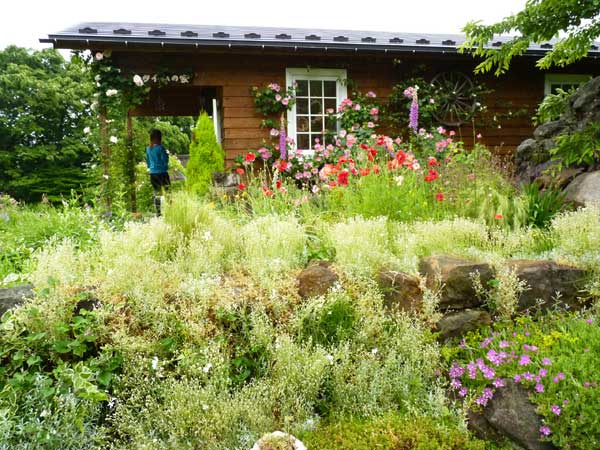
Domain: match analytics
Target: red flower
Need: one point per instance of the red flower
(364, 146)
(365, 172)
(241, 186)
(372, 154)
(278, 184)
(343, 178)
(282, 166)
(268, 192)
(376, 169)
(431, 161)
(498, 216)
(432, 175)
(250, 157)
(439, 196)
(240, 171)
(380, 140)
(400, 157)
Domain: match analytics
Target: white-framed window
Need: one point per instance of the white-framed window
(563, 81)
(317, 91)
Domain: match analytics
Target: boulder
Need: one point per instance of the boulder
(455, 275)
(561, 179)
(458, 323)
(316, 279)
(555, 284)
(15, 296)
(226, 179)
(584, 189)
(549, 129)
(510, 414)
(401, 291)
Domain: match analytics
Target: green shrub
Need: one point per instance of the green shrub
(542, 205)
(329, 322)
(392, 432)
(552, 107)
(206, 156)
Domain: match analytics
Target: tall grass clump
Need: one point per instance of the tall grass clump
(577, 236)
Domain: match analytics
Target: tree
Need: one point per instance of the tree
(574, 23)
(43, 114)
(206, 156)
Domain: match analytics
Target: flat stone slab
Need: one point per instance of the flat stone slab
(14, 296)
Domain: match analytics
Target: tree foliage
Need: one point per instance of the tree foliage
(206, 156)
(577, 21)
(43, 114)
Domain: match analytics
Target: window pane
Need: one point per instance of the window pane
(316, 124)
(302, 106)
(316, 88)
(316, 106)
(331, 123)
(302, 89)
(329, 88)
(330, 103)
(302, 123)
(303, 141)
(314, 137)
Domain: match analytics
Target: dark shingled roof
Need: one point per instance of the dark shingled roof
(100, 33)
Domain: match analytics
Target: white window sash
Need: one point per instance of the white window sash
(293, 74)
(563, 78)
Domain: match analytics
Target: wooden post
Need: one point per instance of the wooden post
(131, 164)
(105, 155)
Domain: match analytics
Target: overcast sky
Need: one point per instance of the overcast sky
(25, 21)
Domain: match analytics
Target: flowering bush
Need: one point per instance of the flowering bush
(554, 358)
(273, 99)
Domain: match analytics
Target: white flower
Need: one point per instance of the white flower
(87, 130)
(174, 78)
(99, 56)
(146, 78)
(114, 139)
(207, 368)
(329, 358)
(154, 78)
(184, 79)
(374, 351)
(399, 179)
(111, 92)
(97, 77)
(155, 363)
(207, 236)
(138, 80)
(106, 178)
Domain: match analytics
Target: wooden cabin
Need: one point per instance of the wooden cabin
(227, 62)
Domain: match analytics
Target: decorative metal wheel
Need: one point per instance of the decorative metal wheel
(455, 98)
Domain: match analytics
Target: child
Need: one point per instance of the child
(157, 161)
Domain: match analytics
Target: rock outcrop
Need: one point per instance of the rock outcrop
(584, 189)
(316, 279)
(401, 291)
(13, 297)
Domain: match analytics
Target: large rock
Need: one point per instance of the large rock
(316, 279)
(584, 189)
(559, 180)
(549, 129)
(458, 323)
(512, 415)
(13, 297)
(548, 284)
(455, 275)
(401, 291)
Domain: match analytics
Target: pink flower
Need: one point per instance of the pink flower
(504, 344)
(525, 360)
(274, 132)
(499, 382)
(371, 94)
(478, 135)
(350, 140)
(371, 125)
(539, 388)
(517, 378)
(545, 430)
(463, 392)
(556, 410)
(374, 111)
(356, 107)
(452, 133)
(329, 110)
(546, 362)
(278, 98)
(431, 101)
(285, 101)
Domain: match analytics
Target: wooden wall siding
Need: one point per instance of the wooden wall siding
(520, 90)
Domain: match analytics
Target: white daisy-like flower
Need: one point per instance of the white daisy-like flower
(87, 130)
(155, 363)
(137, 80)
(207, 368)
(175, 78)
(111, 92)
(184, 79)
(114, 139)
(146, 78)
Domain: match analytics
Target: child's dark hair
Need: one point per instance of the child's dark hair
(155, 135)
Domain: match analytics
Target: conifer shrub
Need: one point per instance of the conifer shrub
(206, 156)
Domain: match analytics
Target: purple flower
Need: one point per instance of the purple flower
(546, 362)
(463, 392)
(499, 382)
(456, 371)
(545, 430)
(517, 378)
(555, 410)
(525, 360)
(282, 142)
(528, 376)
(543, 372)
(589, 321)
(539, 388)
(504, 344)
(472, 370)
(413, 117)
(486, 342)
